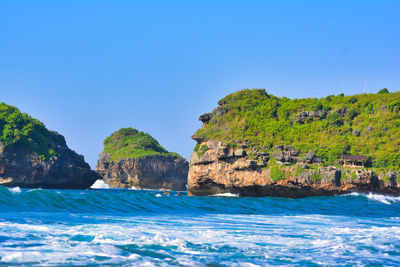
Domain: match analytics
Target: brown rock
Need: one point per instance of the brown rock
(212, 175)
(151, 172)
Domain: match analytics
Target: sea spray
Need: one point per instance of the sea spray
(99, 184)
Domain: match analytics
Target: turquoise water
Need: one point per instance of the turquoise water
(132, 227)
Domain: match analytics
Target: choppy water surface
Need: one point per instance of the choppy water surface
(130, 227)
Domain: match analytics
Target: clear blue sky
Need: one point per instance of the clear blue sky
(87, 68)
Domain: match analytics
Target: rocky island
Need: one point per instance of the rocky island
(135, 159)
(257, 144)
(31, 156)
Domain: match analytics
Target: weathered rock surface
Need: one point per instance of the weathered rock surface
(23, 168)
(310, 115)
(224, 170)
(150, 172)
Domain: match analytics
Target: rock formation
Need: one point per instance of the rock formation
(149, 172)
(257, 144)
(135, 159)
(65, 170)
(32, 156)
(225, 170)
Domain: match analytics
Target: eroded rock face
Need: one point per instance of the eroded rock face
(224, 170)
(310, 115)
(23, 168)
(150, 172)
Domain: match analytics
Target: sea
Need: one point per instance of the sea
(127, 227)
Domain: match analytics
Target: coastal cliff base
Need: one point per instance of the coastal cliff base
(24, 168)
(216, 168)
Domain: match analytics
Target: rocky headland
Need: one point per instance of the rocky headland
(255, 144)
(135, 159)
(224, 170)
(33, 157)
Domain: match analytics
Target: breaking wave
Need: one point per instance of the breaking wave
(140, 227)
(388, 200)
(151, 201)
(99, 184)
(225, 195)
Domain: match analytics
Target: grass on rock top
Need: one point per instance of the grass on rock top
(19, 130)
(364, 124)
(131, 143)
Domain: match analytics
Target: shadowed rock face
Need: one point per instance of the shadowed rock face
(224, 170)
(151, 172)
(23, 168)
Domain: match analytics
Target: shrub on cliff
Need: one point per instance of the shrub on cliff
(19, 130)
(323, 125)
(276, 173)
(131, 143)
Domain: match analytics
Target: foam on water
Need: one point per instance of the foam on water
(383, 199)
(388, 200)
(225, 195)
(126, 227)
(15, 189)
(99, 184)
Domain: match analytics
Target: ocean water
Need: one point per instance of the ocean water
(146, 228)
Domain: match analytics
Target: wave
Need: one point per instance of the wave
(15, 189)
(388, 200)
(225, 195)
(99, 184)
(144, 201)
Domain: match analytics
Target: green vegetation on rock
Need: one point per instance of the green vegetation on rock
(130, 143)
(19, 130)
(315, 176)
(202, 150)
(364, 124)
(276, 173)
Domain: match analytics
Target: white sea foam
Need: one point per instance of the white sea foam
(158, 195)
(142, 189)
(133, 257)
(291, 238)
(388, 200)
(99, 184)
(35, 189)
(225, 195)
(353, 194)
(383, 199)
(15, 189)
(171, 239)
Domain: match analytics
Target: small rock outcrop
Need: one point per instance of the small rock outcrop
(310, 115)
(133, 159)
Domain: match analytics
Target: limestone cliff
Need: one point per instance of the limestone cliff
(150, 172)
(32, 156)
(65, 170)
(220, 169)
(135, 159)
(256, 144)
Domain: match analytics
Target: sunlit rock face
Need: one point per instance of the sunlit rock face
(220, 169)
(149, 172)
